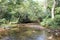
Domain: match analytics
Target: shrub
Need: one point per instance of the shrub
(46, 22)
(57, 10)
(57, 20)
(49, 23)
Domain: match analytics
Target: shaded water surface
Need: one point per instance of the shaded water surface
(24, 33)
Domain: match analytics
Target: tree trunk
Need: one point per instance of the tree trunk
(53, 7)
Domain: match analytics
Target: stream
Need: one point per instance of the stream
(25, 33)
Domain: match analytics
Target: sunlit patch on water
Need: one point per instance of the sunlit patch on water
(42, 36)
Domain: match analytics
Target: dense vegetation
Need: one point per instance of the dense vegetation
(26, 11)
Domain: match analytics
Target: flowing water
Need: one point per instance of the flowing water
(27, 34)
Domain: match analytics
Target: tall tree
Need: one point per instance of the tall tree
(52, 10)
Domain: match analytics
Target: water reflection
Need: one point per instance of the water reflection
(34, 37)
(26, 34)
(42, 36)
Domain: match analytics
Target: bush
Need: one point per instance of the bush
(46, 22)
(57, 20)
(57, 10)
(49, 23)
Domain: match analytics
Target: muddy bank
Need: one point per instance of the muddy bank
(32, 25)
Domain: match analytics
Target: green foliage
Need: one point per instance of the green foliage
(57, 10)
(20, 10)
(52, 23)
(23, 11)
(49, 23)
(46, 22)
(57, 19)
